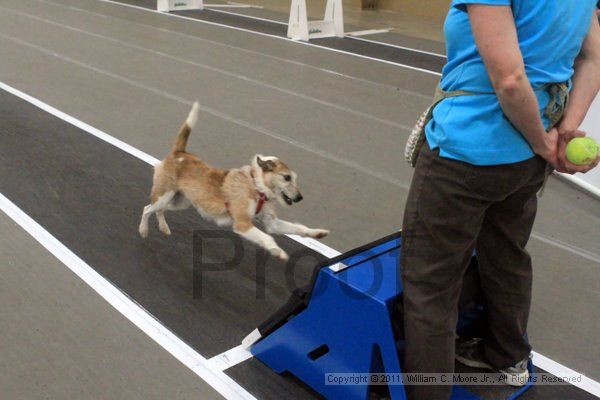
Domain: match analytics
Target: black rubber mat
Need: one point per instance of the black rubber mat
(375, 50)
(89, 195)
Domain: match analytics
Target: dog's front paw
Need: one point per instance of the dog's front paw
(143, 231)
(279, 253)
(318, 233)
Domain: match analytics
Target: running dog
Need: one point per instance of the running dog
(233, 197)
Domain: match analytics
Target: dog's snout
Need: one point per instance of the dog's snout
(298, 198)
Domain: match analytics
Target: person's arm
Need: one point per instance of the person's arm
(586, 84)
(496, 38)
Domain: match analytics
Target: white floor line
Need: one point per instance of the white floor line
(578, 251)
(122, 303)
(580, 182)
(215, 70)
(426, 71)
(273, 21)
(210, 6)
(365, 32)
(230, 358)
(233, 3)
(80, 124)
(399, 47)
(589, 385)
(241, 49)
(553, 367)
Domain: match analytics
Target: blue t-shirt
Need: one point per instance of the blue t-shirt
(473, 128)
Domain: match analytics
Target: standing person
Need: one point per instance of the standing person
(486, 156)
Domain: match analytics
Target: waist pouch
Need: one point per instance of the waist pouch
(559, 95)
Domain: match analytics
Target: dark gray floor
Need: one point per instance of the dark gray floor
(339, 120)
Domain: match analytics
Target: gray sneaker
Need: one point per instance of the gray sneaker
(470, 353)
(518, 374)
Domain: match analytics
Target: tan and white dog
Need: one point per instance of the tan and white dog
(233, 197)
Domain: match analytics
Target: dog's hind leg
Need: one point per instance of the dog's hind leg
(178, 202)
(159, 204)
(162, 223)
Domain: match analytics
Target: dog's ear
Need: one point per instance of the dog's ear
(265, 165)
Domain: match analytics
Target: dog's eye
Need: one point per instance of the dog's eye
(287, 177)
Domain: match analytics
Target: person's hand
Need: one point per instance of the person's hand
(565, 134)
(548, 149)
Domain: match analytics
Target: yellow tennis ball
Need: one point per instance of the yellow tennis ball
(582, 150)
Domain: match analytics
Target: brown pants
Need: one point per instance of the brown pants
(453, 208)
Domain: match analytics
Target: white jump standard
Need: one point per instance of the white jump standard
(300, 28)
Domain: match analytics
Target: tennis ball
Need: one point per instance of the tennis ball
(582, 150)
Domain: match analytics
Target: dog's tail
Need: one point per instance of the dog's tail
(186, 129)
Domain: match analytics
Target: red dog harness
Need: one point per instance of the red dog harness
(260, 201)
